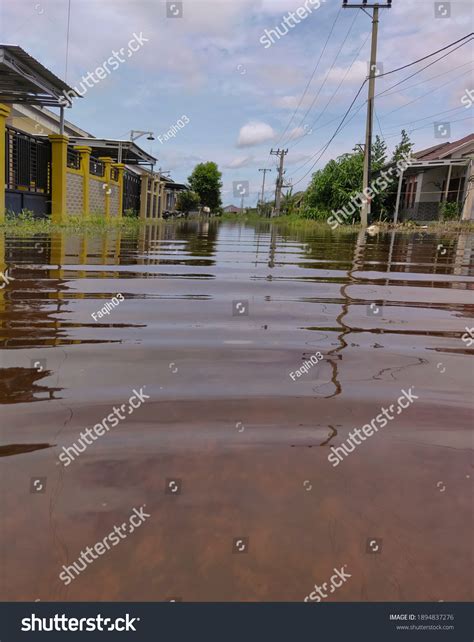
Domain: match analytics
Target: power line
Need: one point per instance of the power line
(312, 75)
(447, 111)
(67, 38)
(426, 93)
(357, 94)
(459, 120)
(334, 135)
(311, 128)
(415, 62)
(417, 72)
(387, 92)
(328, 72)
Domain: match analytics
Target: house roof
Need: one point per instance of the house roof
(131, 153)
(24, 79)
(173, 185)
(42, 118)
(443, 150)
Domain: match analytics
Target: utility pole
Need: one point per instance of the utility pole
(365, 209)
(279, 181)
(262, 199)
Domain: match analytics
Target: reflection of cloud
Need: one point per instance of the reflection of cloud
(240, 161)
(254, 133)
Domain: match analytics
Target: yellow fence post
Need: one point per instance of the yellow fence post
(107, 160)
(120, 168)
(85, 153)
(58, 177)
(4, 113)
(144, 197)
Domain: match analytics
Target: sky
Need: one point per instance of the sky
(212, 67)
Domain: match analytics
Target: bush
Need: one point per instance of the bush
(313, 213)
(25, 216)
(450, 211)
(130, 213)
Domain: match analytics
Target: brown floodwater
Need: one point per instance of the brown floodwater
(229, 446)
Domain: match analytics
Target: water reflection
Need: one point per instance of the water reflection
(225, 415)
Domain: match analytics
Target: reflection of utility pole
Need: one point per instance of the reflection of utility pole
(365, 209)
(279, 181)
(262, 199)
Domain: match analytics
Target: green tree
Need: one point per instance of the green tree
(187, 201)
(332, 187)
(389, 197)
(404, 147)
(206, 182)
(379, 154)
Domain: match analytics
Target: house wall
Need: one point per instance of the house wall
(96, 196)
(74, 199)
(114, 200)
(429, 193)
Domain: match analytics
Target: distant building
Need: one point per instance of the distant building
(231, 209)
(442, 173)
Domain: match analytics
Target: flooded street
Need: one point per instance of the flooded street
(229, 451)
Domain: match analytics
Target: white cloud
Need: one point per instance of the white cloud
(239, 161)
(357, 73)
(254, 133)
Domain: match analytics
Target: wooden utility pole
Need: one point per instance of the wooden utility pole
(262, 199)
(365, 208)
(279, 181)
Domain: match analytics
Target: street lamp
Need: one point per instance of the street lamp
(136, 133)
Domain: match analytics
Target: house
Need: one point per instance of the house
(442, 173)
(52, 167)
(231, 209)
(170, 193)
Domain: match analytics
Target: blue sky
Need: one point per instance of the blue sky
(210, 65)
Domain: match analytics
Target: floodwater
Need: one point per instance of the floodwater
(228, 446)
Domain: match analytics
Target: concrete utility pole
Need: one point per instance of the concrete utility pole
(262, 199)
(279, 181)
(365, 209)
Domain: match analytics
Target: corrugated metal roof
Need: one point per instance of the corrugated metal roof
(24, 79)
(444, 149)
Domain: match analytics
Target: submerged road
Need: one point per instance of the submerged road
(228, 451)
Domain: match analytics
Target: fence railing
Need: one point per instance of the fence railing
(73, 159)
(114, 174)
(28, 162)
(131, 191)
(96, 167)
